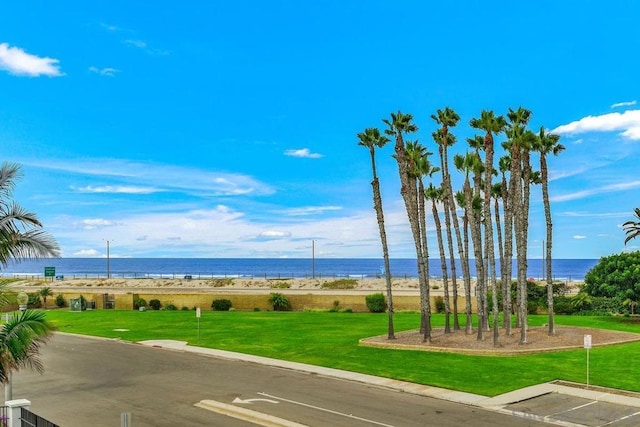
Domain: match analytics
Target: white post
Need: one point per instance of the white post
(587, 346)
(13, 411)
(125, 419)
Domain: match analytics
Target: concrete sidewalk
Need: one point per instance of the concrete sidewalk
(613, 407)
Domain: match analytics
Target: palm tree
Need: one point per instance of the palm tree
(21, 339)
(21, 237)
(548, 143)
(506, 255)
(462, 203)
(519, 143)
(371, 138)
(420, 167)
(491, 125)
(447, 119)
(632, 228)
(470, 163)
(44, 293)
(436, 194)
(399, 125)
(450, 216)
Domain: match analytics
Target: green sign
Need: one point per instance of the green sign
(49, 271)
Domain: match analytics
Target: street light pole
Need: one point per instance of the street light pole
(313, 259)
(108, 266)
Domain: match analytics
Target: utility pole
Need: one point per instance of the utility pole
(108, 265)
(313, 259)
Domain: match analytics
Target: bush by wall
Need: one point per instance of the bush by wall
(376, 303)
(139, 302)
(279, 302)
(60, 302)
(155, 304)
(221, 304)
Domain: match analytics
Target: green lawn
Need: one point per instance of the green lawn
(331, 339)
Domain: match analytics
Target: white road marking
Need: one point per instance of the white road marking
(326, 410)
(250, 401)
(245, 414)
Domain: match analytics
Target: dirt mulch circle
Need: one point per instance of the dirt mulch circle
(538, 340)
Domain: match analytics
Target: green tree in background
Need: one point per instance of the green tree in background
(615, 276)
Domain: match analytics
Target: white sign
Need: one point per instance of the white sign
(587, 341)
(198, 312)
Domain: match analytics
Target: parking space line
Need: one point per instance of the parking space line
(621, 419)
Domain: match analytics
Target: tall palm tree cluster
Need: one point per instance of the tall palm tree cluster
(21, 237)
(489, 212)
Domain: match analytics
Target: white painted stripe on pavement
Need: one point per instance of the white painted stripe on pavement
(327, 410)
(254, 417)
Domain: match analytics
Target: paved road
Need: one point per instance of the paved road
(90, 382)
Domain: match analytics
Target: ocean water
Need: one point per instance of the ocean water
(563, 269)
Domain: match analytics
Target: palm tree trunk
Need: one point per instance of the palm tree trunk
(377, 203)
(547, 216)
(520, 208)
(443, 265)
(452, 217)
(488, 233)
(409, 191)
(426, 295)
(506, 267)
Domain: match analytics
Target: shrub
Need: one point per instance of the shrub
(184, 308)
(221, 304)
(340, 284)
(336, 307)
(439, 303)
(221, 282)
(169, 306)
(280, 284)
(376, 303)
(34, 300)
(155, 304)
(563, 305)
(60, 302)
(279, 302)
(139, 302)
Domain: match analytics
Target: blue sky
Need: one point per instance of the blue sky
(228, 129)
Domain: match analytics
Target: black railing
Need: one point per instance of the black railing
(29, 419)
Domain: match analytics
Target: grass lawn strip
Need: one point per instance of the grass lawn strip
(331, 340)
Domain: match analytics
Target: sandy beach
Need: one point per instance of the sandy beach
(295, 285)
(225, 285)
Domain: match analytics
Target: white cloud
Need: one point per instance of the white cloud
(140, 44)
(628, 123)
(310, 210)
(303, 152)
(604, 189)
(194, 181)
(623, 104)
(594, 215)
(108, 71)
(18, 62)
(90, 224)
(274, 235)
(86, 253)
(579, 237)
(117, 189)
